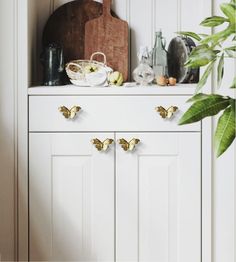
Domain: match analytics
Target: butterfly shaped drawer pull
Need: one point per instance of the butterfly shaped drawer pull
(128, 146)
(166, 113)
(69, 113)
(102, 146)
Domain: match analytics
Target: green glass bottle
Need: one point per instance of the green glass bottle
(160, 56)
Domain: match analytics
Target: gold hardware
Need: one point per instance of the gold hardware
(128, 146)
(166, 113)
(69, 113)
(102, 146)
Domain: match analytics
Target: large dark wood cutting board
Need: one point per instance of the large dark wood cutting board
(109, 35)
(66, 26)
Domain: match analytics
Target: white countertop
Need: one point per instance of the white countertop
(181, 89)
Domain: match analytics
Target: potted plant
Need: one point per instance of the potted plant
(210, 52)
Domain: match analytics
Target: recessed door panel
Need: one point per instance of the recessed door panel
(71, 198)
(159, 198)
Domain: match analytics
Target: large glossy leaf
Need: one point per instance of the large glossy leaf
(201, 96)
(225, 131)
(233, 104)
(231, 48)
(218, 37)
(220, 70)
(204, 108)
(214, 21)
(229, 10)
(203, 35)
(190, 34)
(205, 76)
(200, 56)
(234, 83)
(230, 54)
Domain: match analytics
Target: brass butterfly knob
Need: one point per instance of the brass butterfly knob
(166, 113)
(128, 146)
(69, 113)
(102, 146)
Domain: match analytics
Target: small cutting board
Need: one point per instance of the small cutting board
(109, 35)
(66, 26)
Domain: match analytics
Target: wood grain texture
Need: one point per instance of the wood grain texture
(66, 26)
(110, 36)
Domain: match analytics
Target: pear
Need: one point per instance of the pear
(116, 78)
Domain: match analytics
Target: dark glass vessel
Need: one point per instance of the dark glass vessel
(53, 65)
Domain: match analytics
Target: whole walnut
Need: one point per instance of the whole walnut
(172, 81)
(162, 80)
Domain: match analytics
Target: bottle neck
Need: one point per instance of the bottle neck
(158, 41)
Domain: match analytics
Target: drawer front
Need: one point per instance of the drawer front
(107, 113)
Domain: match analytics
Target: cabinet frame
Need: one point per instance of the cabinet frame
(206, 223)
(22, 52)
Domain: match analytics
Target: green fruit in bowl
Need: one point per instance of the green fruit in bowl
(90, 69)
(116, 78)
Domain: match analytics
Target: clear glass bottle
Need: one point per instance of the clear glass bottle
(159, 56)
(143, 74)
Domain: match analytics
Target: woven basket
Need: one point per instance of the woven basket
(76, 69)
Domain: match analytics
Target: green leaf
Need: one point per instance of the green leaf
(220, 71)
(234, 83)
(197, 97)
(229, 10)
(200, 56)
(203, 35)
(203, 108)
(201, 96)
(214, 21)
(190, 34)
(230, 53)
(233, 104)
(225, 131)
(218, 37)
(231, 48)
(205, 76)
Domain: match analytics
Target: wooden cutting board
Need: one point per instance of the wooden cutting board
(66, 26)
(109, 35)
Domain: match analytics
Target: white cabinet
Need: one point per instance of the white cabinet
(158, 198)
(71, 196)
(143, 204)
(107, 113)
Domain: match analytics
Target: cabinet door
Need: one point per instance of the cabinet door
(71, 196)
(159, 198)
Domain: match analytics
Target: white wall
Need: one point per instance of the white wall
(224, 179)
(144, 17)
(7, 132)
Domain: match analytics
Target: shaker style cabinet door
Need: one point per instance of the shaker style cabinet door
(71, 198)
(158, 197)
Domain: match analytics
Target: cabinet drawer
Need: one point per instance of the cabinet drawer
(107, 113)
